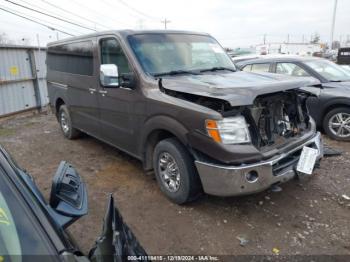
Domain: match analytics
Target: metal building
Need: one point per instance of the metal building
(22, 79)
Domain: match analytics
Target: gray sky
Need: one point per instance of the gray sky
(233, 22)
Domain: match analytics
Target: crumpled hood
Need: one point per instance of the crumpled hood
(238, 88)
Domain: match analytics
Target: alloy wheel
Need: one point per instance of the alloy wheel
(169, 172)
(339, 125)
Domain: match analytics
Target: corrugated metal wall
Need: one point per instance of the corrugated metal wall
(22, 79)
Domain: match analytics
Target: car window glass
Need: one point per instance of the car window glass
(247, 68)
(260, 68)
(290, 69)
(329, 70)
(112, 53)
(160, 53)
(19, 235)
(74, 58)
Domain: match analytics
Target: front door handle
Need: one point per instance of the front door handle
(92, 90)
(102, 92)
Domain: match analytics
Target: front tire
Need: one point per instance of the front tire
(336, 124)
(66, 123)
(175, 171)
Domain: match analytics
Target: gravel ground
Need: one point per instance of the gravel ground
(309, 216)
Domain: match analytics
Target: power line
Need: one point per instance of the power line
(95, 12)
(42, 20)
(49, 27)
(69, 12)
(40, 8)
(43, 13)
(136, 10)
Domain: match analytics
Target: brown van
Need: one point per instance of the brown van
(175, 101)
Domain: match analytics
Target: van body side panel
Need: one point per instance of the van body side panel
(69, 66)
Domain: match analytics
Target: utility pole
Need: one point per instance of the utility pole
(264, 39)
(303, 39)
(340, 40)
(288, 39)
(165, 22)
(333, 21)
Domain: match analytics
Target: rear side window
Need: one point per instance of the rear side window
(74, 58)
(257, 68)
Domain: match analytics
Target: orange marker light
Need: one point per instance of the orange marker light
(213, 131)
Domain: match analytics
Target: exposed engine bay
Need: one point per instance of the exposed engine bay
(273, 118)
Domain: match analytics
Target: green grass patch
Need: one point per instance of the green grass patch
(6, 131)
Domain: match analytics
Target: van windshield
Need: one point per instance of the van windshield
(162, 53)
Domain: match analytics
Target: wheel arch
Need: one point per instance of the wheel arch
(157, 129)
(333, 105)
(58, 103)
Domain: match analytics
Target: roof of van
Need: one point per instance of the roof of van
(124, 33)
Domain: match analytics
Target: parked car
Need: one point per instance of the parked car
(33, 230)
(346, 67)
(331, 107)
(174, 100)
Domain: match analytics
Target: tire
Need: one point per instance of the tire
(338, 117)
(66, 123)
(185, 185)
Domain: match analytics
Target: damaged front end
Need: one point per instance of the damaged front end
(272, 119)
(275, 118)
(274, 128)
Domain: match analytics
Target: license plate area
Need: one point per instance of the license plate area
(307, 160)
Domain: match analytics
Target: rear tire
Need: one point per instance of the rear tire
(175, 171)
(336, 124)
(66, 123)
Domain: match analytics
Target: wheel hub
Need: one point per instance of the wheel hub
(339, 124)
(169, 172)
(64, 122)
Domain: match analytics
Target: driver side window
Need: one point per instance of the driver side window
(112, 53)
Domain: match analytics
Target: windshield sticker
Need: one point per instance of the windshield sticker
(216, 48)
(3, 217)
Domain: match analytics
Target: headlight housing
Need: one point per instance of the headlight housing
(230, 130)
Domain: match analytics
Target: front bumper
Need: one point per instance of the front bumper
(225, 180)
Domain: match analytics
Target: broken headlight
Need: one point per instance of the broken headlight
(230, 130)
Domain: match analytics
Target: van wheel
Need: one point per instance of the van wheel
(336, 124)
(175, 171)
(66, 123)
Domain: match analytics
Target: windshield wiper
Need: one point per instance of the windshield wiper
(176, 72)
(217, 68)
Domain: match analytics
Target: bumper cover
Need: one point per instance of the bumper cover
(225, 180)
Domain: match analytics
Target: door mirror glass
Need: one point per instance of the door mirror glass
(109, 76)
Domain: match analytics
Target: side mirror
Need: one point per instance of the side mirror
(109, 76)
(68, 195)
(127, 80)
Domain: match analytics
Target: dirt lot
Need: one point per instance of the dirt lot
(309, 216)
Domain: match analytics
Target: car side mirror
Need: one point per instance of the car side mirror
(109, 76)
(68, 195)
(127, 80)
